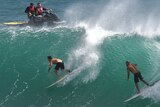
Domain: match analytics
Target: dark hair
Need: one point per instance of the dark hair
(31, 4)
(49, 57)
(127, 63)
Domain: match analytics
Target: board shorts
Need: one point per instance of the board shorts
(137, 76)
(59, 65)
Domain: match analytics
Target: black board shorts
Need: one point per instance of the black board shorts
(59, 65)
(137, 76)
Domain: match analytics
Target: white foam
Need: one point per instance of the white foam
(153, 92)
(125, 16)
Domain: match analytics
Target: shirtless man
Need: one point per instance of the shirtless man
(59, 65)
(137, 75)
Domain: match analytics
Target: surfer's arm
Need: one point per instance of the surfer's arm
(128, 74)
(49, 69)
(50, 66)
(26, 11)
(135, 64)
(45, 8)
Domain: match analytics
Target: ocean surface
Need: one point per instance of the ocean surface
(98, 36)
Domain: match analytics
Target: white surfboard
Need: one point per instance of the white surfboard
(59, 80)
(133, 97)
(60, 22)
(139, 94)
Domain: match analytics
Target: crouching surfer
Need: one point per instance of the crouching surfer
(59, 65)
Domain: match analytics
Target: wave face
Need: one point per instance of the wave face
(94, 43)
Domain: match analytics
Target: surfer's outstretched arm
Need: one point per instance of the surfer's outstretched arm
(128, 74)
(50, 66)
(49, 69)
(135, 64)
(50, 63)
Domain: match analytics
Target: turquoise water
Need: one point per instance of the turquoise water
(94, 43)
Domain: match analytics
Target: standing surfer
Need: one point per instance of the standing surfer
(137, 75)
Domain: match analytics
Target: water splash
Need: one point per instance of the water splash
(152, 92)
(118, 16)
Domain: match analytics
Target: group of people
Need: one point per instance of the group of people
(130, 68)
(34, 11)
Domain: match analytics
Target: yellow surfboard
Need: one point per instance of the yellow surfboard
(14, 23)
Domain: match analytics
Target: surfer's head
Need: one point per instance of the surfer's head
(127, 63)
(31, 4)
(49, 57)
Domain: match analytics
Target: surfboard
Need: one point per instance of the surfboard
(58, 81)
(14, 23)
(133, 97)
(137, 95)
(60, 22)
(26, 23)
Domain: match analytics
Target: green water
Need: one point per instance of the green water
(101, 79)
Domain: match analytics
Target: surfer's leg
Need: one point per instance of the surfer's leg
(56, 72)
(63, 68)
(67, 70)
(137, 87)
(136, 80)
(145, 82)
(141, 78)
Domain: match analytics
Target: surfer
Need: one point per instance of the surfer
(137, 75)
(59, 65)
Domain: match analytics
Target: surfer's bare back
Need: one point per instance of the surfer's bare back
(137, 75)
(59, 65)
